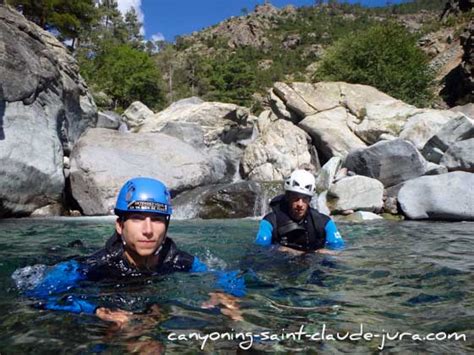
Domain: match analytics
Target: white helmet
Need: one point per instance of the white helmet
(302, 182)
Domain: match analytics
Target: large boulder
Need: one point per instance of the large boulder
(459, 156)
(235, 200)
(219, 121)
(31, 160)
(44, 108)
(458, 129)
(441, 197)
(331, 134)
(135, 115)
(104, 159)
(280, 149)
(390, 162)
(422, 126)
(356, 193)
(371, 114)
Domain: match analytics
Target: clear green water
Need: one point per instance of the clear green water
(393, 276)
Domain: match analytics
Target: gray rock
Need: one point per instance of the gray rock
(31, 160)
(435, 169)
(44, 108)
(327, 173)
(459, 156)
(103, 160)
(319, 202)
(441, 197)
(236, 200)
(219, 121)
(188, 132)
(293, 101)
(422, 126)
(279, 150)
(390, 162)
(108, 119)
(135, 115)
(356, 193)
(455, 130)
(467, 110)
(331, 134)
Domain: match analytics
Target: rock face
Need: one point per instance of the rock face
(456, 130)
(237, 200)
(218, 121)
(446, 197)
(331, 134)
(424, 125)
(390, 162)
(136, 115)
(280, 149)
(44, 108)
(104, 159)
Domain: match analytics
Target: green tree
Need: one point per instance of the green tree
(69, 18)
(232, 80)
(126, 75)
(384, 56)
(133, 27)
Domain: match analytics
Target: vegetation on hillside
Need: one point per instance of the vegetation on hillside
(346, 42)
(384, 56)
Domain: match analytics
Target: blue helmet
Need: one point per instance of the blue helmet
(142, 194)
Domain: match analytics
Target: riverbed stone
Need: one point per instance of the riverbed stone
(441, 197)
(356, 193)
(458, 129)
(390, 162)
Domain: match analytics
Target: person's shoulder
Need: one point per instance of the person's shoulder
(179, 259)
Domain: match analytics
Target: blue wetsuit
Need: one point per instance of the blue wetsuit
(313, 232)
(109, 263)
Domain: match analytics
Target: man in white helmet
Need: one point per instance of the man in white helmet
(293, 224)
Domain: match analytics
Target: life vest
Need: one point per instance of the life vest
(110, 262)
(306, 235)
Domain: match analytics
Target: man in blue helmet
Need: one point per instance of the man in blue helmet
(293, 224)
(139, 247)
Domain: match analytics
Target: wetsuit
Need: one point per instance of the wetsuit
(110, 263)
(314, 231)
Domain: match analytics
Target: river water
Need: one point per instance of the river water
(393, 277)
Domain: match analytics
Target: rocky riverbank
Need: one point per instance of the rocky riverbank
(372, 154)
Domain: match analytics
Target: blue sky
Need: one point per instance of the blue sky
(169, 18)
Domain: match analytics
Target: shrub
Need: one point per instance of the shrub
(384, 56)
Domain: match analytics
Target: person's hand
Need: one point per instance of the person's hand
(230, 304)
(290, 251)
(119, 316)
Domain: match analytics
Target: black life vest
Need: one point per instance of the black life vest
(306, 235)
(110, 262)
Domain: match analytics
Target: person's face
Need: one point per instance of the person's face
(298, 205)
(142, 233)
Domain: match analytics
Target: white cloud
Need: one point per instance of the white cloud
(125, 5)
(158, 37)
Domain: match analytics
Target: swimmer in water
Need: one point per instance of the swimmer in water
(139, 247)
(294, 225)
